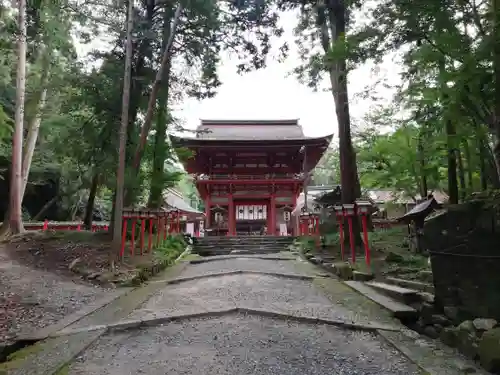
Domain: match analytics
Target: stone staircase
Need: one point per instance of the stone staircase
(208, 246)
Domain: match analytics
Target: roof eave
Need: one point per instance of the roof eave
(189, 141)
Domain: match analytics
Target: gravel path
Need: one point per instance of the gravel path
(290, 296)
(241, 345)
(243, 264)
(31, 299)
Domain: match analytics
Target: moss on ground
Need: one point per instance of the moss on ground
(18, 356)
(191, 256)
(342, 295)
(63, 370)
(390, 253)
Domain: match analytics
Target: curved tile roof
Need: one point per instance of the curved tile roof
(250, 130)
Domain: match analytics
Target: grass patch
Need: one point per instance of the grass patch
(162, 257)
(18, 356)
(191, 256)
(63, 370)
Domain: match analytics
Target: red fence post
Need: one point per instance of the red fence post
(132, 240)
(178, 222)
(158, 230)
(45, 224)
(168, 225)
(150, 238)
(349, 211)
(363, 209)
(124, 236)
(339, 212)
(143, 228)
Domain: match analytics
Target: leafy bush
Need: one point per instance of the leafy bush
(306, 243)
(170, 249)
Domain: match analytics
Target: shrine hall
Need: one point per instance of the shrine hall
(250, 173)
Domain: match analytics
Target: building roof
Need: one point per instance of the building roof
(249, 130)
(174, 199)
(313, 192)
(386, 196)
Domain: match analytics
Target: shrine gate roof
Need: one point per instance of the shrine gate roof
(250, 130)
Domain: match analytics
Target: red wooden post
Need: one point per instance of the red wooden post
(339, 212)
(78, 228)
(316, 229)
(158, 230)
(349, 211)
(365, 239)
(132, 241)
(150, 237)
(124, 236)
(166, 224)
(45, 224)
(363, 208)
(178, 222)
(143, 228)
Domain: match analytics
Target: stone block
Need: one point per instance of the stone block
(362, 276)
(440, 319)
(489, 350)
(431, 332)
(452, 313)
(484, 324)
(343, 271)
(449, 336)
(425, 276)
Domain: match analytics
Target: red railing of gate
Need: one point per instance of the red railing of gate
(309, 226)
(98, 226)
(153, 224)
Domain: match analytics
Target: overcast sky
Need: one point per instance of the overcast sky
(271, 93)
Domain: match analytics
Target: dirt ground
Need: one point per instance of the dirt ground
(37, 288)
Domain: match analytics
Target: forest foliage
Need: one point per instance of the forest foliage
(444, 120)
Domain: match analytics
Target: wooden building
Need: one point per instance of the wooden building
(250, 173)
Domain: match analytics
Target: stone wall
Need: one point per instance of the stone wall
(464, 247)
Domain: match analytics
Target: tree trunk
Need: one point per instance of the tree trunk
(159, 153)
(139, 78)
(31, 138)
(461, 175)
(15, 201)
(482, 156)
(495, 11)
(45, 207)
(120, 173)
(338, 80)
(491, 166)
(39, 101)
(89, 208)
(421, 160)
(154, 92)
(452, 163)
(470, 170)
(335, 12)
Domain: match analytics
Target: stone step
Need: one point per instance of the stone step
(241, 243)
(398, 293)
(398, 310)
(241, 247)
(231, 251)
(412, 284)
(238, 238)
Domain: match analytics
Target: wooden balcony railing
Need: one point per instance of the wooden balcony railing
(268, 176)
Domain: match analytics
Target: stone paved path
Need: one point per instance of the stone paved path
(240, 315)
(242, 343)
